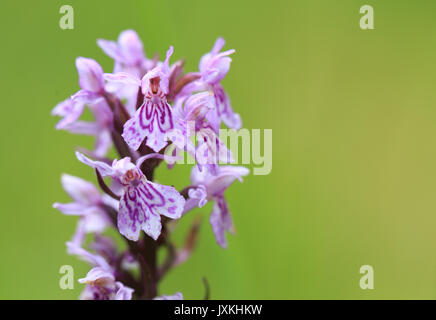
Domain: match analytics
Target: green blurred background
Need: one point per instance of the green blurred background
(353, 115)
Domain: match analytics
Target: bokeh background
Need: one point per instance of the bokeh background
(353, 115)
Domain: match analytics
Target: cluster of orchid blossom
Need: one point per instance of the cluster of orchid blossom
(142, 108)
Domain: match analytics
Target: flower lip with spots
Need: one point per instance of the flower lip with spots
(154, 119)
(143, 201)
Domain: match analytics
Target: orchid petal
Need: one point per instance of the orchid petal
(90, 75)
(85, 255)
(82, 127)
(105, 169)
(123, 292)
(72, 208)
(103, 143)
(218, 45)
(226, 176)
(131, 47)
(152, 121)
(221, 221)
(131, 214)
(110, 48)
(80, 190)
(134, 215)
(172, 202)
(134, 134)
(98, 275)
(70, 110)
(122, 78)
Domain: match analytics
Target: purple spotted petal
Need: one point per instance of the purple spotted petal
(200, 194)
(221, 221)
(142, 205)
(224, 109)
(157, 139)
(133, 134)
(132, 214)
(169, 201)
(152, 120)
(146, 116)
(135, 214)
(163, 116)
